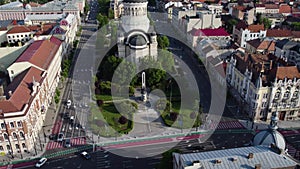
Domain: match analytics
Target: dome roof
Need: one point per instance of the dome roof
(135, 1)
(268, 137)
(137, 40)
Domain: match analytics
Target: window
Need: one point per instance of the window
(12, 125)
(15, 136)
(1, 148)
(23, 145)
(22, 135)
(22, 36)
(17, 36)
(12, 72)
(265, 95)
(5, 136)
(264, 104)
(256, 96)
(8, 36)
(17, 146)
(19, 124)
(3, 126)
(292, 113)
(8, 147)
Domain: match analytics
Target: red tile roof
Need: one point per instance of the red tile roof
(284, 8)
(289, 72)
(41, 52)
(279, 33)
(296, 34)
(271, 6)
(209, 32)
(21, 88)
(18, 29)
(256, 28)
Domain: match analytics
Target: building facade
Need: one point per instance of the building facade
(265, 84)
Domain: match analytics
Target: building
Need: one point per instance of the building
(256, 157)
(34, 77)
(265, 84)
(272, 8)
(275, 18)
(279, 34)
(243, 33)
(245, 13)
(52, 7)
(263, 46)
(218, 37)
(288, 50)
(19, 33)
(41, 19)
(136, 37)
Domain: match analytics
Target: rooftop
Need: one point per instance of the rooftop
(238, 158)
(279, 33)
(18, 29)
(41, 52)
(21, 89)
(209, 32)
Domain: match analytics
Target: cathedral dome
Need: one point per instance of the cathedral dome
(135, 1)
(137, 41)
(268, 137)
(271, 135)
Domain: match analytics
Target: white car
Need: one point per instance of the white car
(41, 162)
(69, 103)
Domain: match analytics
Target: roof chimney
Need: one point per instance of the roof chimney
(218, 161)
(250, 155)
(10, 93)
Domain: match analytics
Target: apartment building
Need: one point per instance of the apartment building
(265, 84)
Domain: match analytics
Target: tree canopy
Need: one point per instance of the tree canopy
(163, 42)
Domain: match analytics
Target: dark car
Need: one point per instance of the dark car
(66, 115)
(67, 143)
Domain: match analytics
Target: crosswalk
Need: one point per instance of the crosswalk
(226, 125)
(74, 141)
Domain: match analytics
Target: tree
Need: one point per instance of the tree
(296, 26)
(155, 74)
(267, 23)
(230, 24)
(166, 60)
(105, 87)
(110, 14)
(163, 42)
(103, 20)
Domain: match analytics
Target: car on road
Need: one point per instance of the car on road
(67, 143)
(85, 155)
(60, 137)
(66, 115)
(41, 162)
(72, 119)
(69, 103)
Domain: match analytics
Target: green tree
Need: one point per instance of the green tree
(267, 23)
(103, 20)
(110, 14)
(166, 60)
(296, 26)
(155, 74)
(163, 42)
(230, 24)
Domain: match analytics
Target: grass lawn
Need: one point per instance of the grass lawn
(106, 97)
(187, 122)
(105, 122)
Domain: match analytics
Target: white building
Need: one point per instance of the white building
(41, 19)
(19, 34)
(243, 33)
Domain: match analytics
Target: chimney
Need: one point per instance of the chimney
(218, 161)
(257, 166)
(250, 155)
(233, 159)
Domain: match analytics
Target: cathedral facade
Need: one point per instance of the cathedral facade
(136, 37)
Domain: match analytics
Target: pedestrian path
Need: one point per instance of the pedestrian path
(74, 141)
(227, 125)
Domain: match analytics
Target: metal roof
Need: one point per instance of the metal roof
(261, 155)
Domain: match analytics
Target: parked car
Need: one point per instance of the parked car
(60, 137)
(72, 119)
(66, 115)
(41, 162)
(67, 143)
(85, 155)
